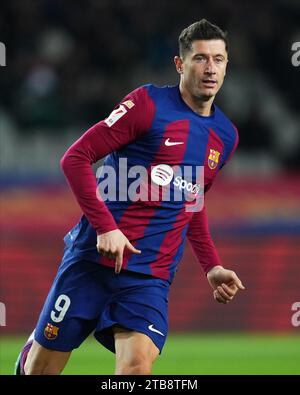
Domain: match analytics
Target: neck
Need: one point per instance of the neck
(198, 105)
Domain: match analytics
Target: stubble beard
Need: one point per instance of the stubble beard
(200, 96)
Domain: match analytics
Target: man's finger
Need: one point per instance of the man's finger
(100, 250)
(237, 281)
(132, 249)
(218, 297)
(229, 291)
(224, 294)
(119, 261)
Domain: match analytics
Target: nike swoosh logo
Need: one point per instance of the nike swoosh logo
(170, 143)
(151, 327)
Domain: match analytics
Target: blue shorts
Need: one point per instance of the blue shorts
(86, 297)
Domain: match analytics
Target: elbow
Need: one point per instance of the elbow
(73, 158)
(65, 161)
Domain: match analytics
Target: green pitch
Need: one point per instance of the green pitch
(186, 354)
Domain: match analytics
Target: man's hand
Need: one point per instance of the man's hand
(112, 245)
(225, 284)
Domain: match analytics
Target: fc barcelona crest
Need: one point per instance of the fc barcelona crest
(51, 332)
(213, 159)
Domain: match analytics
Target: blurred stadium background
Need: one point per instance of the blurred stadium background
(68, 64)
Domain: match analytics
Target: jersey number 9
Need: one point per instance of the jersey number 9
(62, 305)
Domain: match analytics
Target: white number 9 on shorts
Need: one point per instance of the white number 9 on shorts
(61, 306)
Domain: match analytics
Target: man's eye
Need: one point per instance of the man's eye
(200, 59)
(219, 60)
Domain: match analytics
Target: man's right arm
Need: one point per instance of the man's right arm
(124, 125)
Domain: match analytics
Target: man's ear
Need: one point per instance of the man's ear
(226, 67)
(178, 64)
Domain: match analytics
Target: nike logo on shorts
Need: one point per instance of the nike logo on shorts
(151, 327)
(169, 143)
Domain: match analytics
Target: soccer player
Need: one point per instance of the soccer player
(120, 259)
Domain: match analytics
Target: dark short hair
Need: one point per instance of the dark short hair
(201, 30)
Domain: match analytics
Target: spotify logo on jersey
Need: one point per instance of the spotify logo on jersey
(162, 174)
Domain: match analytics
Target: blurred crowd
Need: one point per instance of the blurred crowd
(70, 62)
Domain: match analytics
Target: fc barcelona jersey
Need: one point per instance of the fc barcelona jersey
(160, 159)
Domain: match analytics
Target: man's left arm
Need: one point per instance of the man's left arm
(225, 283)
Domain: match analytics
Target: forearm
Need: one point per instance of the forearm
(82, 181)
(205, 252)
(201, 241)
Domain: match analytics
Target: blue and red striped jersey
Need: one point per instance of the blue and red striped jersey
(155, 129)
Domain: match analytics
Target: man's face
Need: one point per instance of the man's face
(203, 68)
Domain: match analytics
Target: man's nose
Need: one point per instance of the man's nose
(210, 67)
